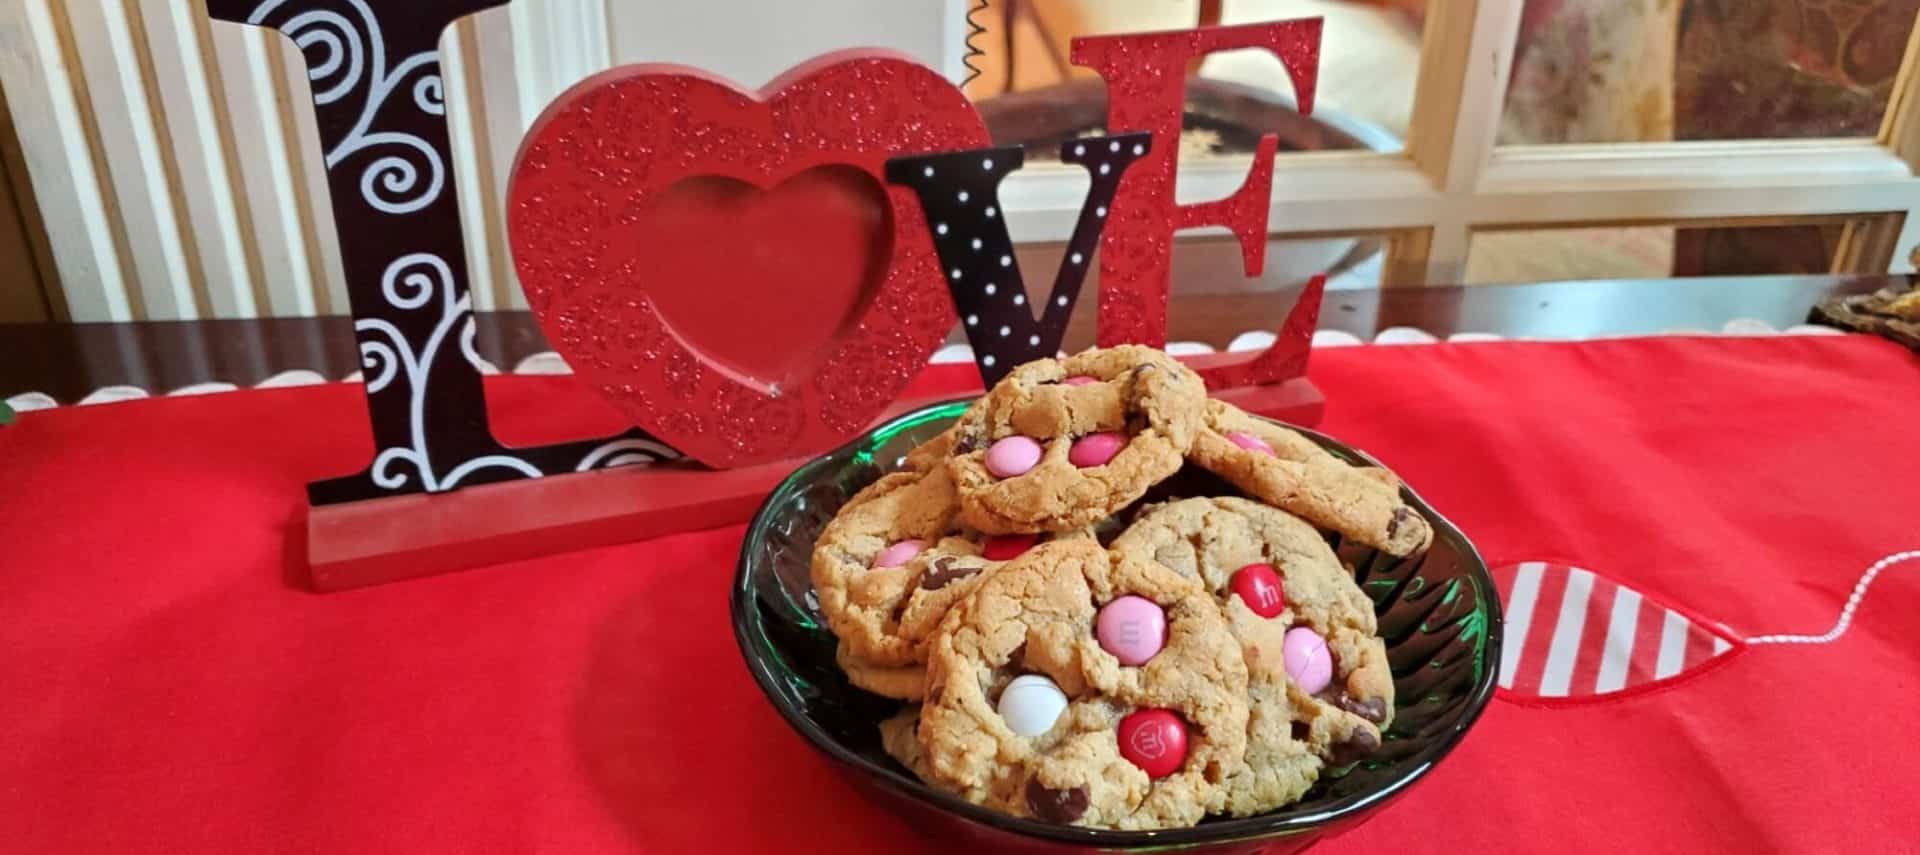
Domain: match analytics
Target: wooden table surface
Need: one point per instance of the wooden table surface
(68, 361)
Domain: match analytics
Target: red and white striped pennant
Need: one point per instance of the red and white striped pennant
(1571, 633)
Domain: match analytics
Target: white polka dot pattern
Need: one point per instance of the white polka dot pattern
(959, 191)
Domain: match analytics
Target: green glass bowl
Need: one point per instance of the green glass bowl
(1438, 612)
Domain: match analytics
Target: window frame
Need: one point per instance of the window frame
(1452, 180)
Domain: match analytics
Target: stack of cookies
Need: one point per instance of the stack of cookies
(1109, 601)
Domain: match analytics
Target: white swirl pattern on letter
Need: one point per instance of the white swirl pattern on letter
(346, 58)
(353, 58)
(419, 281)
(430, 95)
(378, 355)
(332, 32)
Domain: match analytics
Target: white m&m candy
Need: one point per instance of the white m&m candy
(1030, 704)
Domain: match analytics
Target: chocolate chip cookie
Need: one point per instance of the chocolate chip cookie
(888, 567)
(1319, 688)
(1061, 444)
(903, 682)
(932, 453)
(1285, 469)
(900, 737)
(1028, 711)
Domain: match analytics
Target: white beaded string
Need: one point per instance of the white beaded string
(1846, 611)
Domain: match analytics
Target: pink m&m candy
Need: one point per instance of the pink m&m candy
(1249, 441)
(1259, 587)
(1132, 629)
(1155, 741)
(1095, 449)
(1012, 456)
(1309, 662)
(898, 554)
(1080, 380)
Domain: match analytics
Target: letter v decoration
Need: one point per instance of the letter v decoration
(960, 193)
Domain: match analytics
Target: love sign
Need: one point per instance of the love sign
(750, 277)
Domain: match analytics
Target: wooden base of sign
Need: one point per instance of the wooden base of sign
(1296, 401)
(372, 542)
(375, 541)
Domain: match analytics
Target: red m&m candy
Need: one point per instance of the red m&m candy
(1259, 587)
(1080, 380)
(1005, 546)
(1155, 741)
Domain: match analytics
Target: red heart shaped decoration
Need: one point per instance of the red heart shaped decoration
(773, 305)
(823, 234)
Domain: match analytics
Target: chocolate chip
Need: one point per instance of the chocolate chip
(1134, 379)
(1056, 806)
(1358, 744)
(1108, 530)
(1401, 515)
(1371, 709)
(1302, 730)
(967, 442)
(945, 572)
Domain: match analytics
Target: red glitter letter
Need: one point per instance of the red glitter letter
(1146, 86)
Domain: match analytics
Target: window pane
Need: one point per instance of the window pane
(1545, 255)
(1208, 264)
(1552, 254)
(1659, 70)
(1212, 299)
(1031, 95)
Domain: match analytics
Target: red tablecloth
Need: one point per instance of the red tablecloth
(166, 691)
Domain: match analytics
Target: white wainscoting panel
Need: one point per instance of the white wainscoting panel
(177, 170)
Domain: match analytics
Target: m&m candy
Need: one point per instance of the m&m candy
(898, 554)
(1155, 741)
(1030, 704)
(1131, 628)
(1259, 587)
(1015, 455)
(1308, 660)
